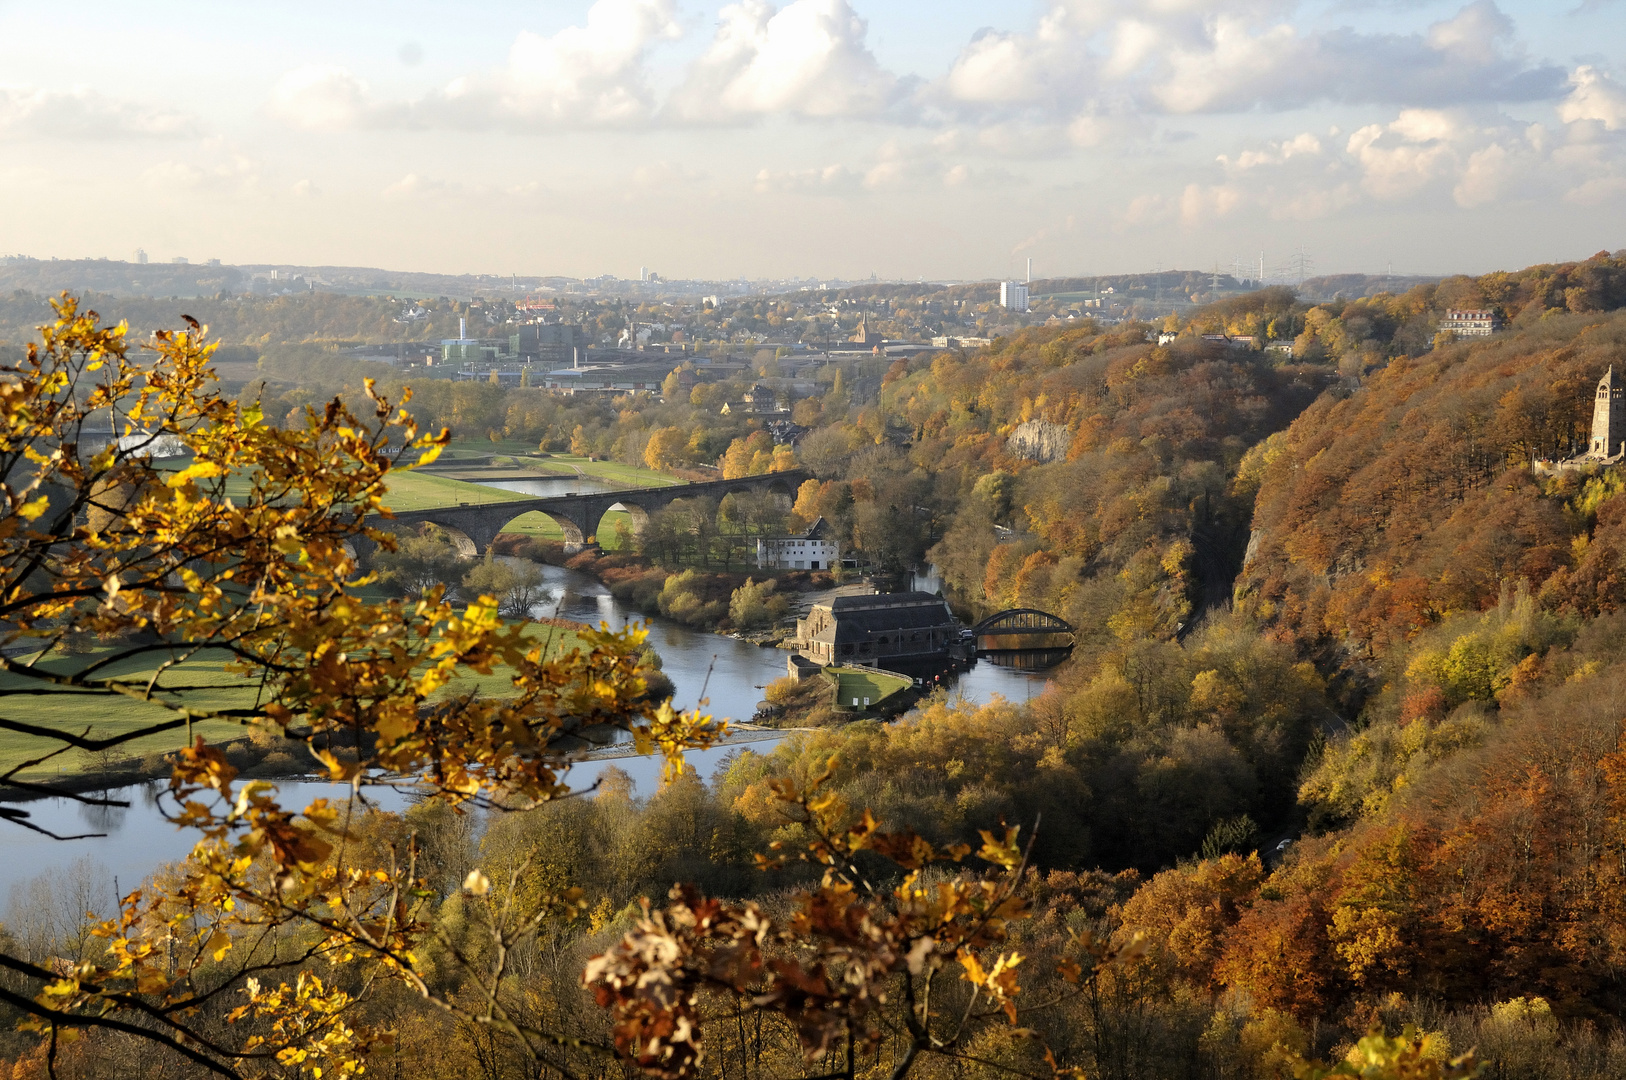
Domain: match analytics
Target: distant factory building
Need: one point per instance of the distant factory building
(874, 629)
(607, 380)
(466, 350)
(545, 341)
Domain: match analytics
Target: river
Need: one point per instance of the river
(726, 674)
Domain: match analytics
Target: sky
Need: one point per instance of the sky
(949, 139)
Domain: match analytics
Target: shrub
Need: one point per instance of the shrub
(754, 605)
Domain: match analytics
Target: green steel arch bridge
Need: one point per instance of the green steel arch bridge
(1044, 630)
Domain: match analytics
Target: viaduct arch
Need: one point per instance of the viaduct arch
(474, 526)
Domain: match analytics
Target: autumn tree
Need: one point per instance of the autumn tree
(253, 953)
(667, 447)
(169, 570)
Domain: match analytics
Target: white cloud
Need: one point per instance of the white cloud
(1424, 147)
(1200, 204)
(1087, 58)
(215, 172)
(1485, 177)
(84, 114)
(1600, 191)
(1472, 158)
(1596, 97)
(1148, 210)
(807, 58)
(1301, 145)
(1006, 68)
(831, 179)
(591, 75)
(318, 98)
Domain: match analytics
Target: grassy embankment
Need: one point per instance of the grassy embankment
(866, 688)
(103, 716)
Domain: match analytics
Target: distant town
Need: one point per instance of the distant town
(614, 336)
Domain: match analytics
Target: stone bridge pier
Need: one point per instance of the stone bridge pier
(473, 527)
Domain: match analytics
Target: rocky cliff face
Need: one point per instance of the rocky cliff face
(1040, 440)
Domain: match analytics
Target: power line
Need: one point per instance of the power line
(1301, 265)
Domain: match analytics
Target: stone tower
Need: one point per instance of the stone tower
(1608, 418)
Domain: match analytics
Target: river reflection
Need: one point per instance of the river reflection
(139, 839)
(550, 485)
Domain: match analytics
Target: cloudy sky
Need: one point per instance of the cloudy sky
(909, 138)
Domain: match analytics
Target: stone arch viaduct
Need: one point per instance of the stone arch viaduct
(473, 526)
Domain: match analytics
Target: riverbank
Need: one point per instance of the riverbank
(275, 758)
(843, 695)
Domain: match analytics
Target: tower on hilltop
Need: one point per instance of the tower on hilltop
(1608, 418)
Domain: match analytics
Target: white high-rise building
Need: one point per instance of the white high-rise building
(141, 256)
(1013, 295)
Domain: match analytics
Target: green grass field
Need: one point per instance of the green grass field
(611, 472)
(859, 683)
(412, 490)
(418, 490)
(524, 453)
(69, 711)
(540, 526)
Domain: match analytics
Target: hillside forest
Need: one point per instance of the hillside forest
(1341, 737)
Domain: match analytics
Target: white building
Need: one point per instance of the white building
(1476, 322)
(1013, 295)
(815, 549)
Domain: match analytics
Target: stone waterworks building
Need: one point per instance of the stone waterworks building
(872, 630)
